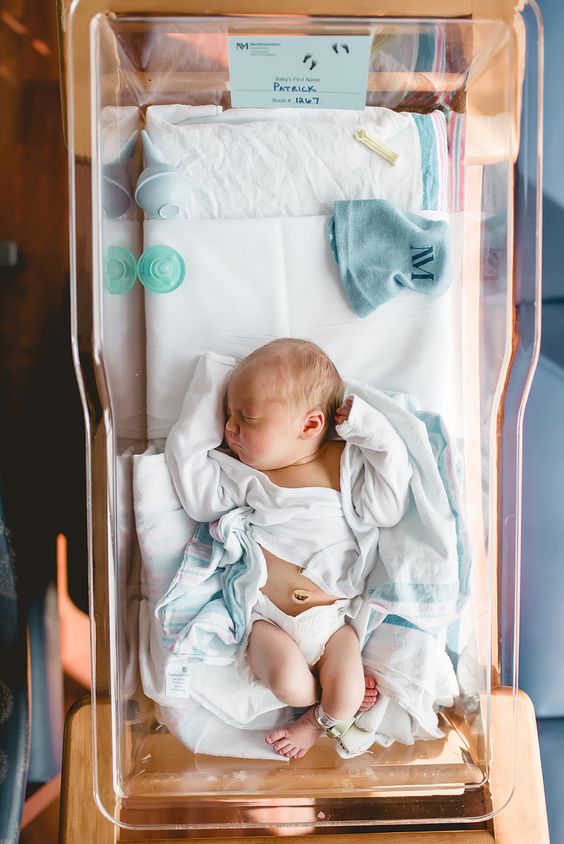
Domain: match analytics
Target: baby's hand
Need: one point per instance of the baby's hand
(342, 413)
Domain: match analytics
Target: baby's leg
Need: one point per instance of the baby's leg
(296, 739)
(341, 675)
(276, 660)
(342, 691)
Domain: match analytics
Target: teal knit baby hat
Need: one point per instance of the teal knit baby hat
(382, 249)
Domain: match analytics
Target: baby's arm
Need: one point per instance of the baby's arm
(380, 489)
(201, 485)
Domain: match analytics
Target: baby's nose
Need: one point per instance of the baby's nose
(231, 426)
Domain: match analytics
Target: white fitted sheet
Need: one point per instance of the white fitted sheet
(249, 281)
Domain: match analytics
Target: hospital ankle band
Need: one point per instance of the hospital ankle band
(354, 742)
(350, 740)
(334, 728)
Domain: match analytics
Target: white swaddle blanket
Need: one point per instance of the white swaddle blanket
(411, 592)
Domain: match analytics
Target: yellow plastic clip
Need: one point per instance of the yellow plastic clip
(376, 146)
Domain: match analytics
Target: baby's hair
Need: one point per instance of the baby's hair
(315, 380)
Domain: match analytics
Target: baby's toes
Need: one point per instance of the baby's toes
(370, 695)
(283, 746)
(295, 752)
(275, 735)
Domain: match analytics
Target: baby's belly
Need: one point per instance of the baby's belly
(289, 590)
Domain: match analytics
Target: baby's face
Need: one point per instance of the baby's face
(263, 429)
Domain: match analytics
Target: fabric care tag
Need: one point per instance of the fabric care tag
(177, 679)
(313, 71)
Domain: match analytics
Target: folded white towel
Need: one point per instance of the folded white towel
(299, 162)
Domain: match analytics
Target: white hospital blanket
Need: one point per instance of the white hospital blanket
(408, 669)
(291, 162)
(309, 527)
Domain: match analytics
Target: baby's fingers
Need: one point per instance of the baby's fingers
(344, 410)
(341, 416)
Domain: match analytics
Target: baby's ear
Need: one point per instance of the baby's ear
(314, 423)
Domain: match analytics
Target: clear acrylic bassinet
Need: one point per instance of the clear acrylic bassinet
(471, 85)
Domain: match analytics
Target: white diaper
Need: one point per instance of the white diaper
(310, 630)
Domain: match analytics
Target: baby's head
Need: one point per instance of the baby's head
(280, 403)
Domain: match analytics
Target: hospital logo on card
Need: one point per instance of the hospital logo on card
(422, 256)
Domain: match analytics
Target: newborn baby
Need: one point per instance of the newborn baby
(280, 405)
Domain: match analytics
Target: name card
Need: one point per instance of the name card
(313, 71)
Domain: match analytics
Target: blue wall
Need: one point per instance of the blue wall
(542, 581)
(553, 207)
(553, 15)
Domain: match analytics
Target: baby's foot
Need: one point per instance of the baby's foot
(296, 739)
(370, 694)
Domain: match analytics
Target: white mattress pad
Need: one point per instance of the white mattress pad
(249, 281)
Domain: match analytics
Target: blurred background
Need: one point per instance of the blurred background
(43, 556)
(42, 520)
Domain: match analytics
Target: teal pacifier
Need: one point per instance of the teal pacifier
(120, 269)
(161, 269)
